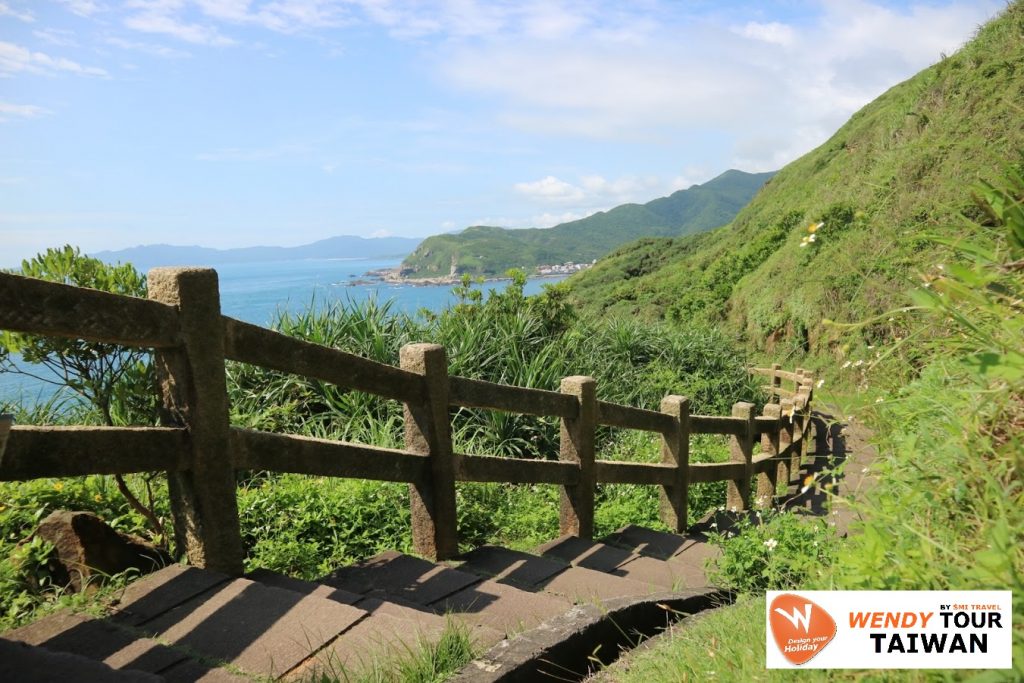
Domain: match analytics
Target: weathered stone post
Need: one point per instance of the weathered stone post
(742, 451)
(195, 396)
(768, 480)
(786, 439)
(675, 450)
(428, 431)
(5, 427)
(776, 383)
(577, 446)
(802, 420)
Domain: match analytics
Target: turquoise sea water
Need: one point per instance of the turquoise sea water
(254, 292)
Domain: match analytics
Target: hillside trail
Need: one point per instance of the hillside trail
(550, 614)
(841, 467)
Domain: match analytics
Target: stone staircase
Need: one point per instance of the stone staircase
(186, 624)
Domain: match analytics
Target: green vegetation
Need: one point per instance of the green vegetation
(890, 177)
(307, 526)
(947, 511)
(484, 250)
(113, 379)
(427, 662)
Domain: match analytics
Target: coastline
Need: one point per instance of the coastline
(392, 277)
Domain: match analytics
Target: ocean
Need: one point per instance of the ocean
(255, 292)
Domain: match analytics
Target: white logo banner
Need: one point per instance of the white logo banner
(889, 630)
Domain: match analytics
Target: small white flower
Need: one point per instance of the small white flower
(879, 399)
(770, 544)
(858, 364)
(941, 267)
(803, 244)
(864, 470)
(821, 383)
(714, 525)
(815, 543)
(732, 509)
(846, 364)
(870, 346)
(812, 238)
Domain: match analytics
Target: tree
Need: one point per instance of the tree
(117, 381)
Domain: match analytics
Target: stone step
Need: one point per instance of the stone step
(163, 590)
(577, 584)
(502, 607)
(115, 646)
(26, 663)
(689, 553)
(487, 606)
(395, 576)
(655, 574)
(389, 621)
(259, 629)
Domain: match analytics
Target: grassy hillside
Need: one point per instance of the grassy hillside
(898, 171)
(483, 250)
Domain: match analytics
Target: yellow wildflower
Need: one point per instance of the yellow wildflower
(813, 227)
(58, 486)
(98, 498)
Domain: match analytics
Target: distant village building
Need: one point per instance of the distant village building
(567, 268)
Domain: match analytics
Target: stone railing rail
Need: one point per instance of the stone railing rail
(200, 450)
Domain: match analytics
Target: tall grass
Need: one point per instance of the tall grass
(947, 511)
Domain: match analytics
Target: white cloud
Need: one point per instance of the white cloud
(83, 8)
(689, 74)
(772, 32)
(381, 233)
(147, 48)
(165, 24)
(21, 15)
(548, 219)
(550, 189)
(16, 59)
(23, 111)
(55, 36)
(592, 193)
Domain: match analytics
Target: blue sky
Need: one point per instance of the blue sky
(241, 122)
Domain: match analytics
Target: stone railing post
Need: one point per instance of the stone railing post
(194, 391)
(675, 450)
(742, 451)
(428, 432)
(802, 419)
(768, 480)
(786, 437)
(776, 383)
(576, 515)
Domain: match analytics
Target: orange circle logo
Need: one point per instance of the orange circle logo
(801, 628)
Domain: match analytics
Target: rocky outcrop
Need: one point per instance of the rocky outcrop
(87, 550)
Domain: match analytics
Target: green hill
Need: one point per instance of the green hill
(898, 173)
(484, 250)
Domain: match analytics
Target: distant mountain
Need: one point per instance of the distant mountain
(345, 246)
(485, 250)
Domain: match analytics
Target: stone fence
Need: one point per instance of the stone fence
(200, 450)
